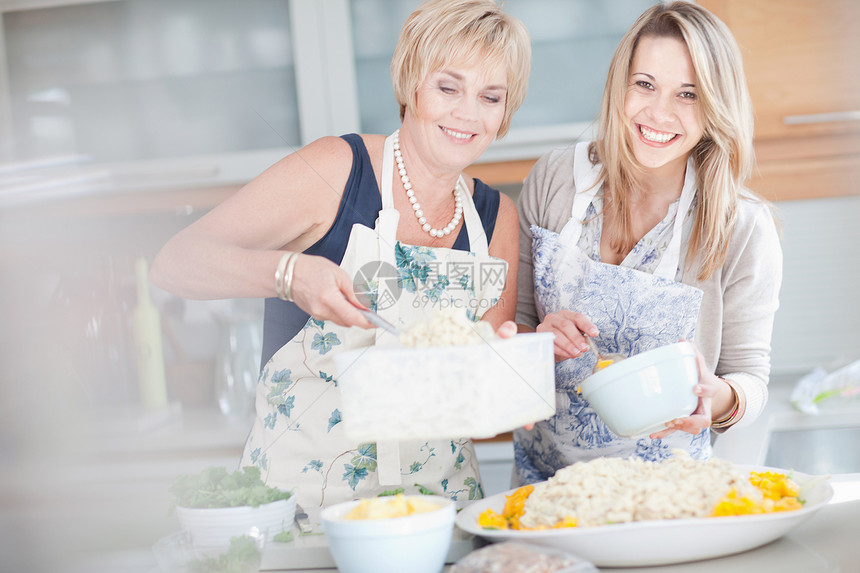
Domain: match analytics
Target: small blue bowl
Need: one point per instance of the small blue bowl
(638, 395)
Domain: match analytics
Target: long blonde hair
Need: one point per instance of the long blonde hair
(724, 157)
(441, 32)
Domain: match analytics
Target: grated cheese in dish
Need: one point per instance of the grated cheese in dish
(448, 327)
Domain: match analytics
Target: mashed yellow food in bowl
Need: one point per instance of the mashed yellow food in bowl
(388, 507)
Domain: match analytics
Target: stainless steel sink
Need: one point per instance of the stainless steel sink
(815, 450)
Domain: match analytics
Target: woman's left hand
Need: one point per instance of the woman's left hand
(706, 389)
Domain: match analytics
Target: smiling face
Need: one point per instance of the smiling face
(661, 106)
(458, 114)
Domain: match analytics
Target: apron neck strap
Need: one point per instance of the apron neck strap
(668, 265)
(472, 221)
(586, 184)
(389, 217)
(387, 173)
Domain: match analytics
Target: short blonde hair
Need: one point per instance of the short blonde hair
(724, 157)
(441, 32)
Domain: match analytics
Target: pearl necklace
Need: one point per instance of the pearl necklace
(416, 206)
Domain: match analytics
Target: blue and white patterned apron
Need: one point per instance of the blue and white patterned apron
(636, 306)
(297, 440)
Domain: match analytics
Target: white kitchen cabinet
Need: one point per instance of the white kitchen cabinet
(160, 93)
(141, 94)
(141, 80)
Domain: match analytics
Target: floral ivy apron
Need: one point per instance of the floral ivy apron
(636, 306)
(297, 440)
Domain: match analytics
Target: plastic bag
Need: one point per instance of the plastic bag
(820, 390)
(515, 557)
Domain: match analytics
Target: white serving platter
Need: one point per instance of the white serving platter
(648, 543)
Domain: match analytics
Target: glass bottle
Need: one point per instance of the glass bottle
(148, 341)
(238, 364)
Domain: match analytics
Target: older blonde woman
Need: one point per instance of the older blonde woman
(647, 236)
(391, 217)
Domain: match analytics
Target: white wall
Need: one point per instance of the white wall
(818, 323)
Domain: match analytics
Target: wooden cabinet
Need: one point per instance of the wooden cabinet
(801, 63)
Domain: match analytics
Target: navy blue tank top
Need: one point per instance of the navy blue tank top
(360, 203)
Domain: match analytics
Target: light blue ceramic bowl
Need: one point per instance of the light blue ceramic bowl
(417, 543)
(637, 396)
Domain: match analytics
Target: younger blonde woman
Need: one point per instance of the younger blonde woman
(646, 236)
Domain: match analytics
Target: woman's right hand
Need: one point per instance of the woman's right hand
(324, 290)
(568, 327)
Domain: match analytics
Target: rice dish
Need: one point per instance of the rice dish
(616, 490)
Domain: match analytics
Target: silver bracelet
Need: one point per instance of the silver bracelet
(288, 278)
(280, 273)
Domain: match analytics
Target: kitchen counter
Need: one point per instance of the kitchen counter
(827, 541)
(123, 482)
